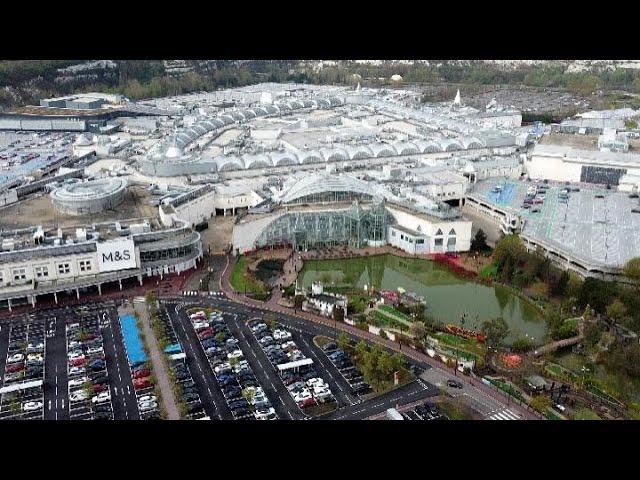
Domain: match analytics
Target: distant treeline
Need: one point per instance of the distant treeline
(24, 82)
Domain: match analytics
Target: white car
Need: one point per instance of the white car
(198, 316)
(78, 396)
(94, 350)
(35, 347)
(266, 414)
(313, 382)
(235, 354)
(301, 396)
(321, 392)
(73, 326)
(259, 398)
(200, 325)
(289, 344)
(221, 367)
(31, 406)
(35, 357)
(146, 398)
(101, 397)
(78, 381)
(281, 335)
(241, 365)
(76, 371)
(258, 327)
(146, 406)
(75, 354)
(266, 339)
(15, 358)
(74, 344)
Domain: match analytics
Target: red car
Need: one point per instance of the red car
(309, 402)
(140, 383)
(99, 387)
(141, 374)
(204, 333)
(15, 367)
(76, 362)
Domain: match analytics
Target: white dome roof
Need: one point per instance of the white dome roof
(396, 78)
(173, 152)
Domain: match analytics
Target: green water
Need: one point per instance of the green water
(448, 296)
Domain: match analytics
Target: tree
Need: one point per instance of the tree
(338, 313)
(592, 334)
(558, 283)
(298, 300)
(496, 331)
(596, 293)
(541, 403)
(418, 329)
(342, 341)
(616, 310)
(625, 358)
(631, 270)
(361, 349)
(508, 247)
(479, 242)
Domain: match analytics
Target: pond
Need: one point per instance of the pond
(448, 296)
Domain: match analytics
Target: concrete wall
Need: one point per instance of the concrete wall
(8, 197)
(552, 167)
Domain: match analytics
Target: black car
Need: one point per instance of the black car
(191, 397)
(454, 383)
(188, 384)
(103, 416)
(100, 380)
(361, 387)
(189, 390)
(241, 412)
(329, 347)
(238, 404)
(103, 408)
(432, 408)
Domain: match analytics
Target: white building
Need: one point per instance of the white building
(567, 164)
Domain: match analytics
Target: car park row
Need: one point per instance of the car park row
(186, 388)
(88, 381)
(347, 369)
(244, 396)
(425, 411)
(21, 395)
(298, 373)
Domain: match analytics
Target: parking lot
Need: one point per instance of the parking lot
(216, 359)
(22, 153)
(66, 364)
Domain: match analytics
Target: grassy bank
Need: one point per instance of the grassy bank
(243, 281)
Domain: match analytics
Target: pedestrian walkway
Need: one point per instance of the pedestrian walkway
(157, 361)
(505, 415)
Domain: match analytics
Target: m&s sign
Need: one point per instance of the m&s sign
(116, 255)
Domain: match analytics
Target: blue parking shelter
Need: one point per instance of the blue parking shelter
(132, 341)
(173, 348)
